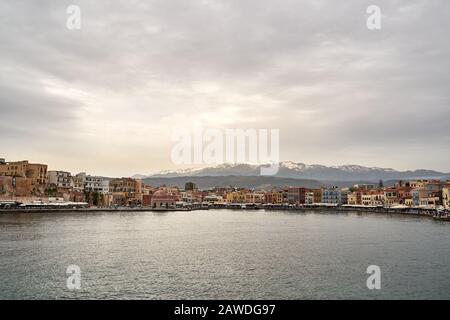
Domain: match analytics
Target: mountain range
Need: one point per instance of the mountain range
(294, 170)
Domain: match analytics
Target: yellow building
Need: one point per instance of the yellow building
(236, 196)
(317, 195)
(254, 197)
(409, 201)
(277, 197)
(446, 197)
(352, 198)
(373, 198)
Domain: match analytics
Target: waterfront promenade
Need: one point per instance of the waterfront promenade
(438, 215)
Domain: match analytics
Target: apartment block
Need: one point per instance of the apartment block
(62, 179)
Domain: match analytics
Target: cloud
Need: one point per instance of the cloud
(310, 68)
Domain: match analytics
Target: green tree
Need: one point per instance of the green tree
(95, 198)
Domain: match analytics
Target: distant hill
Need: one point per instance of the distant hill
(293, 170)
(253, 182)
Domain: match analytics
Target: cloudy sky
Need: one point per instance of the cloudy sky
(106, 98)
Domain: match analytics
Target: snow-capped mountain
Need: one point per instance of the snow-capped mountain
(290, 169)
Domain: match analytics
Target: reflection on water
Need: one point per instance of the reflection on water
(223, 254)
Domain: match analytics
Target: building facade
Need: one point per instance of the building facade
(296, 195)
(446, 197)
(162, 200)
(374, 198)
(23, 169)
(331, 195)
(62, 179)
(96, 184)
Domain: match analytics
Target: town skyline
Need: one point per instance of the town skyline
(34, 184)
(180, 170)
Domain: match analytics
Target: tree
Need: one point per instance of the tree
(51, 190)
(190, 186)
(95, 198)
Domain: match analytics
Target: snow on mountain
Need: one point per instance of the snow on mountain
(298, 170)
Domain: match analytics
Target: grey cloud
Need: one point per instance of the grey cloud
(321, 72)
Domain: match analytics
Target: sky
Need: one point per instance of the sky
(106, 98)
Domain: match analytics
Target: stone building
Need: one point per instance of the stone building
(11, 187)
(162, 200)
(23, 169)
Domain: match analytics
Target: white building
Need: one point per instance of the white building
(96, 184)
(309, 199)
(61, 179)
(88, 183)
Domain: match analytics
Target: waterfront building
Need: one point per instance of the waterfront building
(126, 191)
(23, 169)
(404, 193)
(277, 196)
(174, 191)
(331, 195)
(146, 200)
(78, 181)
(373, 198)
(309, 197)
(417, 184)
(352, 198)
(37, 172)
(446, 196)
(433, 186)
(254, 197)
(162, 200)
(60, 179)
(391, 197)
(190, 186)
(317, 195)
(12, 187)
(433, 201)
(268, 197)
(344, 196)
(417, 194)
(364, 187)
(213, 199)
(355, 197)
(296, 195)
(221, 191)
(146, 189)
(197, 196)
(96, 184)
(237, 196)
(425, 197)
(126, 185)
(408, 201)
(87, 183)
(187, 196)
